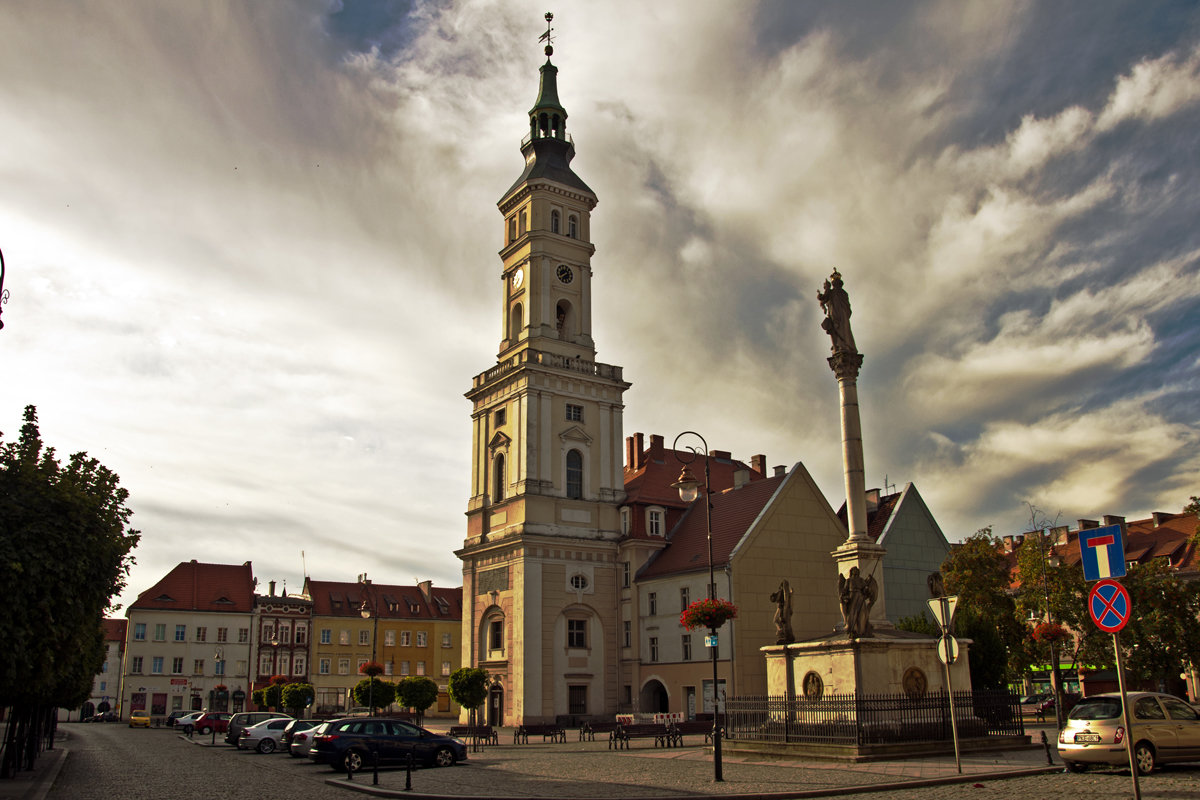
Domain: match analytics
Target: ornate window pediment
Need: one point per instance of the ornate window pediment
(499, 442)
(575, 434)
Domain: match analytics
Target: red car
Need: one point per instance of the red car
(212, 721)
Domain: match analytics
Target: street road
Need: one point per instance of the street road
(111, 761)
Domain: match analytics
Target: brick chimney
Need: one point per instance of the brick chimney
(656, 447)
(741, 477)
(1088, 524)
(758, 463)
(780, 470)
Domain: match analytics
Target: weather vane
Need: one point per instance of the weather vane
(547, 37)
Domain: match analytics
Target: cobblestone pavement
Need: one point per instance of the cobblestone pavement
(114, 762)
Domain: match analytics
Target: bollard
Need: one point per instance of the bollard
(349, 769)
(408, 773)
(1046, 744)
(375, 761)
(214, 735)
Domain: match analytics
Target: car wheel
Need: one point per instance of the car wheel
(266, 745)
(205, 730)
(353, 761)
(444, 757)
(1075, 766)
(1143, 756)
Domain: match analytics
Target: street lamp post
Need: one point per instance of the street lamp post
(219, 672)
(370, 612)
(1055, 676)
(689, 490)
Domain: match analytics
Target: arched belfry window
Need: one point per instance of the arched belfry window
(498, 478)
(574, 475)
(524, 226)
(564, 319)
(515, 322)
(573, 226)
(555, 222)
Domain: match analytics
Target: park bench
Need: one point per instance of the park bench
(661, 734)
(689, 728)
(484, 733)
(554, 733)
(589, 729)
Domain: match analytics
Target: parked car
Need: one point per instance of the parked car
(297, 726)
(139, 719)
(302, 741)
(244, 719)
(211, 721)
(349, 744)
(1165, 729)
(263, 736)
(187, 721)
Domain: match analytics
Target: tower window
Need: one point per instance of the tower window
(555, 221)
(515, 322)
(573, 226)
(574, 413)
(524, 224)
(498, 479)
(495, 635)
(512, 229)
(501, 416)
(574, 475)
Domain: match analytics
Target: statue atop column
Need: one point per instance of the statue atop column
(836, 305)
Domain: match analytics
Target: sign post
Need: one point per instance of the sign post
(943, 612)
(1102, 551)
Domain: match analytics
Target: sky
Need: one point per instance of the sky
(251, 251)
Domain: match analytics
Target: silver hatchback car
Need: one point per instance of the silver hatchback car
(1165, 729)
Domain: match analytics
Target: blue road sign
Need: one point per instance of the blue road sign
(1109, 606)
(1103, 553)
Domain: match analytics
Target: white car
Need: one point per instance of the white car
(263, 737)
(302, 741)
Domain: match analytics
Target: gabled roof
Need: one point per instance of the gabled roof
(192, 586)
(733, 512)
(345, 599)
(878, 517)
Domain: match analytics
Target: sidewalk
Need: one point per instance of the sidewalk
(33, 784)
(585, 770)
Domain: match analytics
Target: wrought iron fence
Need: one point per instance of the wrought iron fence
(861, 718)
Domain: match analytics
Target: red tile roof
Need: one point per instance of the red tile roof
(648, 480)
(345, 599)
(733, 512)
(114, 630)
(193, 586)
(877, 519)
(1160, 536)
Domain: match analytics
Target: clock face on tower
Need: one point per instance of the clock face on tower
(564, 273)
(518, 278)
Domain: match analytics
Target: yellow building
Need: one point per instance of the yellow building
(409, 630)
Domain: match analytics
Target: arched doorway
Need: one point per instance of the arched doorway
(653, 698)
(495, 705)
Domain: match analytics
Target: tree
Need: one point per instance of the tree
(374, 693)
(418, 693)
(1161, 637)
(978, 572)
(60, 526)
(468, 688)
(296, 697)
(1194, 508)
(273, 694)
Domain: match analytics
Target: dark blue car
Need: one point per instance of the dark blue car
(351, 744)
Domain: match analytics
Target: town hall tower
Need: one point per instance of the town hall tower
(540, 557)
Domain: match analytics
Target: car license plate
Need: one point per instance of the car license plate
(1087, 738)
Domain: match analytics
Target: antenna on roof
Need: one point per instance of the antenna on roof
(887, 486)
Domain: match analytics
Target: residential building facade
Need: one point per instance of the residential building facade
(187, 641)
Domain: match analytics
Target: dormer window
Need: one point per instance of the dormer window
(654, 522)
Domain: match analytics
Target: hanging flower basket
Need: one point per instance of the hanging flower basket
(278, 680)
(220, 687)
(371, 669)
(1050, 633)
(707, 614)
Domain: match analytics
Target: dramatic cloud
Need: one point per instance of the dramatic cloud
(251, 250)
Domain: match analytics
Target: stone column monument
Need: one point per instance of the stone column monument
(860, 580)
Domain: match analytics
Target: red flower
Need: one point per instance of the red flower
(371, 669)
(1050, 633)
(707, 614)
